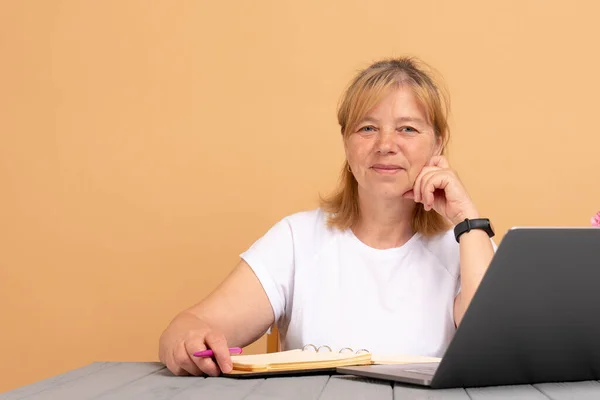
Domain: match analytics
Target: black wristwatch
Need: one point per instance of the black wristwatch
(468, 224)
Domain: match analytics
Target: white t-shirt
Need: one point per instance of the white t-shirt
(327, 287)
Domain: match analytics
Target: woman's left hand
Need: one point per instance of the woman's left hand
(438, 187)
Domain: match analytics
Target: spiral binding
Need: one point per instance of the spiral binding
(348, 349)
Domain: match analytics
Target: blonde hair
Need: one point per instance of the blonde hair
(363, 93)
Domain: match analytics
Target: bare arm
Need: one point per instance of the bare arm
(437, 187)
(237, 313)
(239, 307)
(476, 253)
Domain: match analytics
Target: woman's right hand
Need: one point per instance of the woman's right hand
(238, 308)
(188, 334)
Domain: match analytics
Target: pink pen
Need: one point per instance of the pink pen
(209, 353)
(596, 220)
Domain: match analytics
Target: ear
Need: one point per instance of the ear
(438, 147)
(345, 142)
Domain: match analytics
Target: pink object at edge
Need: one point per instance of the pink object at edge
(596, 219)
(209, 353)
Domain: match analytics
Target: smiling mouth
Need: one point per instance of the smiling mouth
(387, 169)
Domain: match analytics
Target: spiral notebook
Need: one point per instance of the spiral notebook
(314, 360)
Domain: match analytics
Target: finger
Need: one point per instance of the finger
(184, 361)
(208, 366)
(166, 357)
(218, 344)
(438, 161)
(205, 364)
(417, 184)
(434, 182)
(428, 187)
(409, 195)
(172, 365)
(423, 184)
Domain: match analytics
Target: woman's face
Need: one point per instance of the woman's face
(391, 145)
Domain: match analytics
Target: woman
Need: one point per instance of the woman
(387, 263)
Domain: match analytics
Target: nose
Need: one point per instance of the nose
(386, 142)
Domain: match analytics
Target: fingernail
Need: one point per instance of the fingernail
(227, 367)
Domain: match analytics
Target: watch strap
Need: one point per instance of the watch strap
(469, 224)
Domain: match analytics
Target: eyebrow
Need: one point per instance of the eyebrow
(401, 119)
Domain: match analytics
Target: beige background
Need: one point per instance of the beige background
(144, 145)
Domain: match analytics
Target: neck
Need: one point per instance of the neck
(384, 223)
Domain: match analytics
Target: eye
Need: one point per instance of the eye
(408, 129)
(367, 128)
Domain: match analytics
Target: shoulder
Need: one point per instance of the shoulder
(442, 244)
(308, 230)
(445, 249)
(301, 229)
(309, 224)
(307, 219)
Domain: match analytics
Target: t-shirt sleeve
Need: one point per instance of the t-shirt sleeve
(272, 259)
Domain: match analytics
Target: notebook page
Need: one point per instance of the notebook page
(263, 359)
(289, 357)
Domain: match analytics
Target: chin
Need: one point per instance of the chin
(386, 191)
(391, 194)
(391, 191)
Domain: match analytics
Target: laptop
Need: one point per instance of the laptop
(535, 317)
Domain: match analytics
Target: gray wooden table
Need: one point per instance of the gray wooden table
(116, 380)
